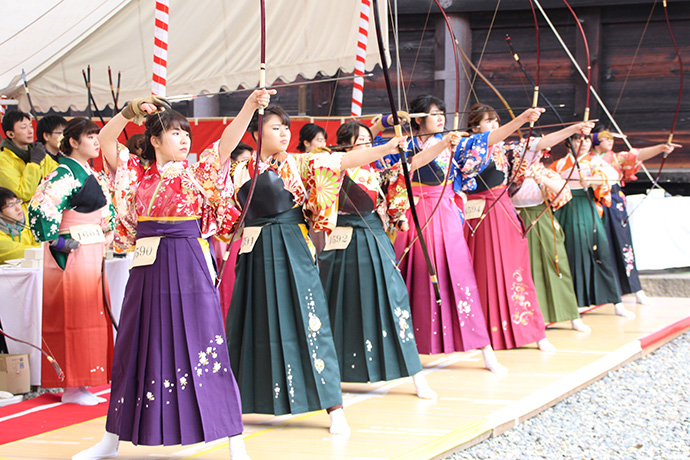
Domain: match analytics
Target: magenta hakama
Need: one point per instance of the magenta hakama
(458, 323)
(502, 266)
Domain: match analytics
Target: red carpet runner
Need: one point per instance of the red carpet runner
(47, 413)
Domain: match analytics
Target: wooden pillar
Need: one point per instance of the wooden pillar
(302, 100)
(445, 72)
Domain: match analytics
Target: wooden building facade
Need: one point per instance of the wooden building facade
(634, 67)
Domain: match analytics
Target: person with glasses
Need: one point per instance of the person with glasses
(49, 132)
(15, 234)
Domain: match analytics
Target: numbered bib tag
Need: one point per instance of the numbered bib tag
(474, 209)
(87, 234)
(249, 237)
(339, 238)
(146, 251)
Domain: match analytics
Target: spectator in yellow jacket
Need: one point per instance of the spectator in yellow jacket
(15, 234)
(23, 164)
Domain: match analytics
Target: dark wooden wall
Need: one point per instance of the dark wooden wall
(643, 106)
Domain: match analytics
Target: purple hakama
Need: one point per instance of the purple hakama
(172, 381)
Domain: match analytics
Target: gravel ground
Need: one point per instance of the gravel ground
(40, 391)
(641, 411)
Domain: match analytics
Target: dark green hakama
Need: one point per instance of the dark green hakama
(369, 305)
(588, 252)
(555, 292)
(281, 347)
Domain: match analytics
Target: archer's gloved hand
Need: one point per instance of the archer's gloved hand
(65, 245)
(386, 121)
(134, 112)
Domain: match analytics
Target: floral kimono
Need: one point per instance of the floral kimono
(368, 301)
(172, 379)
(548, 256)
(457, 323)
(625, 165)
(74, 202)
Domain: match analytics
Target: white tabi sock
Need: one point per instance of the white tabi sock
(584, 309)
(546, 346)
(491, 361)
(621, 311)
(107, 448)
(642, 298)
(339, 422)
(424, 391)
(237, 449)
(81, 396)
(579, 326)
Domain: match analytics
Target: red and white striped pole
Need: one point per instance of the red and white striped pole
(2, 107)
(160, 47)
(358, 85)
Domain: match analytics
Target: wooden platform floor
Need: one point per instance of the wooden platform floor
(389, 422)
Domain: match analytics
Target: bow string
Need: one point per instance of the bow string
(535, 101)
(478, 73)
(576, 154)
(456, 123)
(548, 203)
(257, 158)
(655, 183)
(403, 156)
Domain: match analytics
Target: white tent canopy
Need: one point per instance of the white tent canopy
(212, 44)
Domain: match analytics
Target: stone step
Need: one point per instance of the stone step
(674, 282)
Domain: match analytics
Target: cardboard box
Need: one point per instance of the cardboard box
(14, 374)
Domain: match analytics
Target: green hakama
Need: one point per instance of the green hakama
(588, 252)
(549, 266)
(369, 305)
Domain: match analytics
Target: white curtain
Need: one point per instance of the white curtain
(213, 44)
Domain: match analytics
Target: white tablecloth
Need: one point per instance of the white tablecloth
(117, 271)
(660, 230)
(21, 305)
(21, 294)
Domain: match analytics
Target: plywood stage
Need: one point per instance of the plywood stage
(389, 422)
